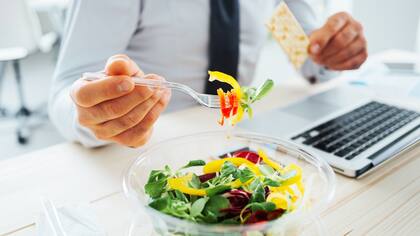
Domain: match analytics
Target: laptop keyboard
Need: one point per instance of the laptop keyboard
(352, 133)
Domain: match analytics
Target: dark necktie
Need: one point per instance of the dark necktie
(223, 41)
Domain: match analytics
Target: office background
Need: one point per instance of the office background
(389, 24)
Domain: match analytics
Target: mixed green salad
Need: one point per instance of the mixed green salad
(243, 187)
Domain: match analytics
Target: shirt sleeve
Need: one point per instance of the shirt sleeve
(307, 17)
(89, 39)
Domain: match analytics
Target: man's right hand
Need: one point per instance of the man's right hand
(116, 110)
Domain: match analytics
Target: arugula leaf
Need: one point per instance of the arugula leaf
(195, 182)
(155, 189)
(215, 204)
(254, 184)
(249, 93)
(271, 182)
(228, 168)
(258, 195)
(178, 208)
(217, 189)
(262, 206)
(160, 204)
(208, 217)
(198, 206)
(174, 207)
(264, 89)
(156, 183)
(194, 163)
(156, 175)
(245, 174)
(181, 196)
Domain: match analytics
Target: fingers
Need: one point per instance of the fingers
(118, 83)
(115, 108)
(354, 63)
(89, 93)
(121, 64)
(350, 51)
(321, 37)
(139, 134)
(342, 39)
(114, 127)
(339, 44)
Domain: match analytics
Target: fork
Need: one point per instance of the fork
(207, 100)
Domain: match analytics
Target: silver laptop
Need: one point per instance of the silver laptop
(354, 131)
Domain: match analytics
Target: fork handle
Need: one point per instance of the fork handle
(141, 81)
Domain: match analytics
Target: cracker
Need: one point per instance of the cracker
(289, 34)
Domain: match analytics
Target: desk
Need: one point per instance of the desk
(386, 202)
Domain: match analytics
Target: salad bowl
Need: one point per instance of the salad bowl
(317, 176)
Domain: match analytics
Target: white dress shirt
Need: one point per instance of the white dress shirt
(165, 37)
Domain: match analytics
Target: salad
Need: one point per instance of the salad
(238, 100)
(245, 187)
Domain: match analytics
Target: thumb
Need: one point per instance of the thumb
(121, 64)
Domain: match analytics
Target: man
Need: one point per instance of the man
(178, 40)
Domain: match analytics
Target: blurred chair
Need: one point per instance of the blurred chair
(21, 36)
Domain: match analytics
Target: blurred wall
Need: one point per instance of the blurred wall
(388, 23)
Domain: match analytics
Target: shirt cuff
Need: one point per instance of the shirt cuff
(315, 73)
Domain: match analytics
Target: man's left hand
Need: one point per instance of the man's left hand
(339, 44)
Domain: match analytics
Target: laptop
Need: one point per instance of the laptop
(353, 130)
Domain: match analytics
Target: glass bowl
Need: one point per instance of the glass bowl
(318, 178)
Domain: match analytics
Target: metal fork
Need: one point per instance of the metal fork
(207, 100)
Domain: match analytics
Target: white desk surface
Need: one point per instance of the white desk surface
(386, 202)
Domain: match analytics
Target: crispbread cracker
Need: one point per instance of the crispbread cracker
(289, 34)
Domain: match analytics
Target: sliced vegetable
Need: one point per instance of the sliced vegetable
(269, 162)
(250, 156)
(238, 100)
(181, 184)
(279, 199)
(214, 166)
(225, 78)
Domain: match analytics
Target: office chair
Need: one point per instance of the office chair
(21, 36)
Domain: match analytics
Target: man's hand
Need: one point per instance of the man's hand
(116, 110)
(339, 44)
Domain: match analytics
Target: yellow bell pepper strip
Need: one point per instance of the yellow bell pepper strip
(225, 78)
(230, 101)
(239, 115)
(295, 179)
(286, 189)
(216, 165)
(238, 183)
(301, 187)
(181, 184)
(269, 162)
(279, 199)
